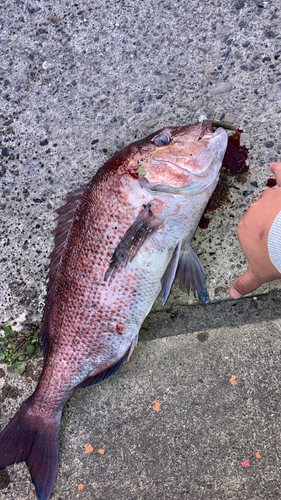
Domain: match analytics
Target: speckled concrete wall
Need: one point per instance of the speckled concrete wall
(80, 80)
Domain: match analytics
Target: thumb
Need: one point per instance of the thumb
(246, 283)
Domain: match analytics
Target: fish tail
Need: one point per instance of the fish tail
(30, 437)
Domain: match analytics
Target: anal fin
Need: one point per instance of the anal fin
(97, 378)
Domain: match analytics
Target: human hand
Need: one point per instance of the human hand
(252, 232)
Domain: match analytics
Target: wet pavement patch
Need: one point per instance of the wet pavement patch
(4, 479)
(10, 392)
(203, 336)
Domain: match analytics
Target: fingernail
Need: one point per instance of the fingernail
(234, 294)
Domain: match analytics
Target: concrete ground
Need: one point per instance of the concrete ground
(78, 81)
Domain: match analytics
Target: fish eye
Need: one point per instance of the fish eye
(161, 139)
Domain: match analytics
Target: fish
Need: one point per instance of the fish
(119, 241)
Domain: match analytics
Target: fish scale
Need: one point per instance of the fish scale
(95, 338)
(119, 240)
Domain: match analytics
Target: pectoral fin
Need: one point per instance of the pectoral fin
(143, 227)
(189, 273)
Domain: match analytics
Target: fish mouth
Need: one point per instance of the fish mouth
(226, 126)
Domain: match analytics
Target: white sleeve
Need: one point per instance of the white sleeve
(274, 242)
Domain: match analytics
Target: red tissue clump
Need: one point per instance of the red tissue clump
(204, 222)
(120, 329)
(271, 183)
(234, 163)
(235, 155)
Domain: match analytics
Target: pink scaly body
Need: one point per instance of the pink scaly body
(89, 315)
(119, 240)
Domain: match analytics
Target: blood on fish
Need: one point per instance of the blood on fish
(120, 329)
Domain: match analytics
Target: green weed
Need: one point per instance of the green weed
(140, 169)
(16, 348)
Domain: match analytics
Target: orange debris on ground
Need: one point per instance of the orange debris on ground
(80, 486)
(101, 451)
(89, 448)
(232, 380)
(156, 406)
(258, 455)
(245, 464)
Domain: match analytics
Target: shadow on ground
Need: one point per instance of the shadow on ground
(176, 320)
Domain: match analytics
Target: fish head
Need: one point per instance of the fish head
(187, 157)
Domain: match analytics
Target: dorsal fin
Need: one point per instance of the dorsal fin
(61, 231)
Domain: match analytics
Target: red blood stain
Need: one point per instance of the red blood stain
(235, 155)
(204, 222)
(245, 464)
(271, 183)
(234, 163)
(120, 329)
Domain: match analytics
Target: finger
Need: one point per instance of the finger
(266, 192)
(246, 283)
(276, 170)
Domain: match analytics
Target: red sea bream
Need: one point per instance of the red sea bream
(119, 241)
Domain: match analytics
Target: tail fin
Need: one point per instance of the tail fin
(36, 440)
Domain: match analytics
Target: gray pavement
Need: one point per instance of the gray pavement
(194, 447)
(78, 81)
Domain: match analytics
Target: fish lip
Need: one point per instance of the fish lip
(219, 131)
(209, 136)
(206, 128)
